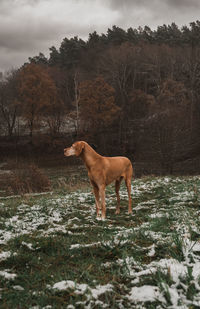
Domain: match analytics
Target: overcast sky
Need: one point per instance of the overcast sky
(28, 27)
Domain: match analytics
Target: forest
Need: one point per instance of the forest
(133, 92)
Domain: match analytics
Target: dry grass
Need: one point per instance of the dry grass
(26, 178)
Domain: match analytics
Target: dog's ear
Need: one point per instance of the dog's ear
(79, 148)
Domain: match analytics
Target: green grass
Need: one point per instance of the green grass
(55, 240)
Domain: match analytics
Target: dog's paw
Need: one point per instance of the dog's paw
(100, 219)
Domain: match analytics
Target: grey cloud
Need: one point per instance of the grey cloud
(183, 4)
(128, 4)
(28, 27)
(11, 59)
(27, 34)
(125, 3)
(135, 13)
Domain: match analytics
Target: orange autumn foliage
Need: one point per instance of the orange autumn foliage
(37, 94)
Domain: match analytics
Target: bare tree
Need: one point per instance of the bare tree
(9, 101)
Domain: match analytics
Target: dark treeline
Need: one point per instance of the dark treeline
(134, 92)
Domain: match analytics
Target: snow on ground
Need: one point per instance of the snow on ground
(145, 293)
(5, 255)
(47, 217)
(91, 294)
(83, 288)
(7, 275)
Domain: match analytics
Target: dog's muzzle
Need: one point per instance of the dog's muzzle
(69, 152)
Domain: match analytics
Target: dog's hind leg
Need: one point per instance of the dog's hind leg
(128, 185)
(117, 187)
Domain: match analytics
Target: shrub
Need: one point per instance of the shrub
(28, 179)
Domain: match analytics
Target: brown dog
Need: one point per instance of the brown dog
(102, 171)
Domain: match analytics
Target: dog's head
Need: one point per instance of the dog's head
(75, 150)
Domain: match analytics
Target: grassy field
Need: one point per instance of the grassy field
(55, 254)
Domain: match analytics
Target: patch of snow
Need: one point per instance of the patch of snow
(7, 275)
(157, 215)
(18, 287)
(82, 288)
(64, 285)
(70, 307)
(196, 271)
(152, 251)
(101, 289)
(174, 267)
(5, 255)
(77, 246)
(28, 245)
(174, 297)
(145, 293)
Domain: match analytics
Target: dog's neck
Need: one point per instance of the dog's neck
(89, 156)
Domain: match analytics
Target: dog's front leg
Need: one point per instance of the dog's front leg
(103, 203)
(97, 199)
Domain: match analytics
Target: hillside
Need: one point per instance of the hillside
(134, 92)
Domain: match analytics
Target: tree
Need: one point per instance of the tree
(172, 125)
(93, 39)
(37, 92)
(70, 52)
(56, 110)
(116, 35)
(132, 35)
(97, 104)
(40, 59)
(54, 115)
(140, 104)
(76, 101)
(8, 101)
(120, 67)
(192, 35)
(54, 58)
